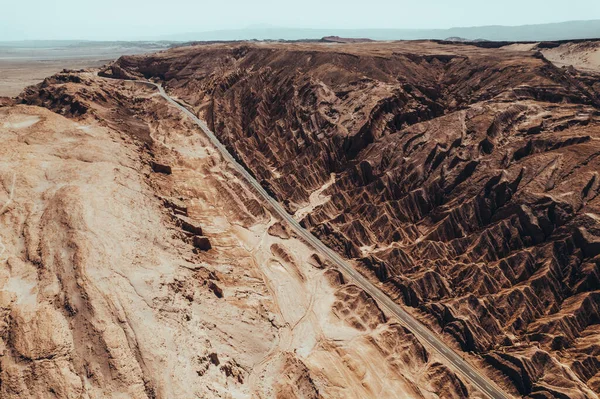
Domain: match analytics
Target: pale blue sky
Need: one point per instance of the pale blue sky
(136, 19)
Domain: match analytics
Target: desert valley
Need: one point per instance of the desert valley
(240, 234)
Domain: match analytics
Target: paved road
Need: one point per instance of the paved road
(425, 335)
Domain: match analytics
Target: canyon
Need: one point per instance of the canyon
(137, 263)
(461, 180)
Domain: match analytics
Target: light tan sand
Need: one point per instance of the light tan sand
(584, 56)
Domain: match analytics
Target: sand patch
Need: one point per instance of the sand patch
(21, 121)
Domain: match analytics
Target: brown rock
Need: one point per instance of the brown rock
(160, 168)
(6, 102)
(202, 243)
(43, 333)
(215, 289)
(279, 230)
(188, 225)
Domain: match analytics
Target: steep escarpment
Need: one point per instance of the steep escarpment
(464, 179)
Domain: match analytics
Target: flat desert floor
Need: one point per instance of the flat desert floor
(27, 63)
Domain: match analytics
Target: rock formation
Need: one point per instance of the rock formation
(135, 262)
(466, 181)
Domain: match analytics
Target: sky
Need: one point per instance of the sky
(150, 19)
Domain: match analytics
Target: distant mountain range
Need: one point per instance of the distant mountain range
(542, 32)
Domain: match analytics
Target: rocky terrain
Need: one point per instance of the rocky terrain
(463, 179)
(136, 263)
